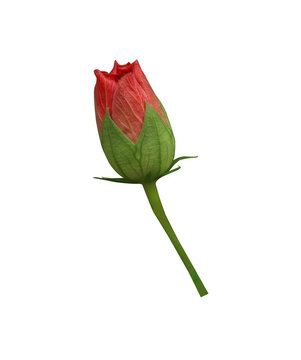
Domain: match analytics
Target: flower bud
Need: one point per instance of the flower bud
(133, 126)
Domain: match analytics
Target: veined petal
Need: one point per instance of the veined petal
(103, 94)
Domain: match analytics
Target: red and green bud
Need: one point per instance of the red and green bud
(133, 126)
(137, 139)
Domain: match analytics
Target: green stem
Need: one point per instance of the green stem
(155, 202)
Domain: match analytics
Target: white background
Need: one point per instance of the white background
(86, 272)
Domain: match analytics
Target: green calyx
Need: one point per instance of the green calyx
(151, 158)
(147, 160)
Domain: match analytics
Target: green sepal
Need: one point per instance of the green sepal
(171, 171)
(119, 150)
(118, 180)
(167, 119)
(155, 147)
(181, 158)
(178, 167)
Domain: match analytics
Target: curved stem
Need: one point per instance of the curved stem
(155, 202)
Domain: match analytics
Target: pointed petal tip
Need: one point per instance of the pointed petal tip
(97, 72)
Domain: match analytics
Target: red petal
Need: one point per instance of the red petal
(129, 106)
(124, 92)
(151, 97)
(103, 93)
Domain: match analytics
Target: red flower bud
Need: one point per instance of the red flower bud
(124, 92)
(137, 139)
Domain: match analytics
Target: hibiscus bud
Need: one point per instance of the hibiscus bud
(133, 126)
